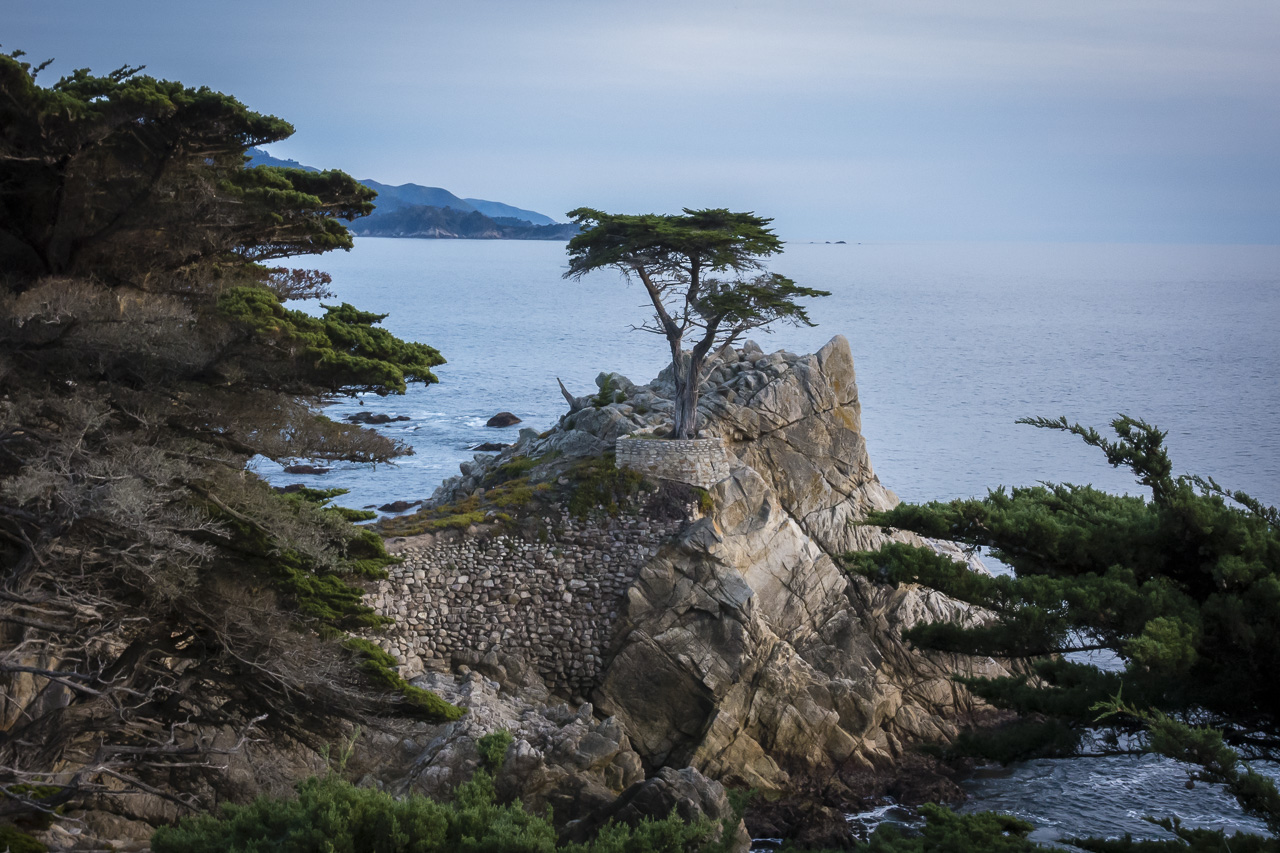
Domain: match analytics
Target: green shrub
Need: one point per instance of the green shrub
(671, 499)
(507, 487)
(432, 521)
(457, 521)
(517, 495)
(706, 503)
(330, 815)
(608, 394)
(517, 467)
(493, 749)
(598, 481)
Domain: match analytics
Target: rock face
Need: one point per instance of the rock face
(741, 649)
(798, 423)
(582, 767)
(745, 652)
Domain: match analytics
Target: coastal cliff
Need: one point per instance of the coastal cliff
(711, 633)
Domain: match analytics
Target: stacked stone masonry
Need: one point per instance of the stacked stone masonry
(699, 462)
(552, 603)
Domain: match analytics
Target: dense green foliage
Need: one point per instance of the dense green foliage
(333, 816)
(493, 749)
(703, 272)
(153, 593)
(1183, 588)
(343, 351)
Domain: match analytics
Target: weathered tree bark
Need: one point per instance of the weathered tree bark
(688, 376)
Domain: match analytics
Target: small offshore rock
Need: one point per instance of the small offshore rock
(490, 446)
(399, 506)
(306, 469)
(375, 418)
(502, 419)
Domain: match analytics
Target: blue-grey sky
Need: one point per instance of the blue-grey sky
(1098, 120)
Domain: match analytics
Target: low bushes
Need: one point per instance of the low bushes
(330, 815)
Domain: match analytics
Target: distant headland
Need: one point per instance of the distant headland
(412, 210)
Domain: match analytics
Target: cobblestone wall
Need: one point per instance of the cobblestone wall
(554, 603)
(699, 461)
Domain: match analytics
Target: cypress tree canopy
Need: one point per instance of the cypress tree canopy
(1181, 589)
(153, 592)
(704, 273)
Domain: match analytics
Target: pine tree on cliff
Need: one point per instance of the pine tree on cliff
(153, 594)
(704, 273)
(1182, 588)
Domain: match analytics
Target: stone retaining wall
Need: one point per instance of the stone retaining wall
(699, 462)
(553, 603)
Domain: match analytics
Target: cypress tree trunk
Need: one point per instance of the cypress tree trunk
(686, 401)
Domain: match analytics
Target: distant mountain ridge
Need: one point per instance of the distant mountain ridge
(409, 195)
(496, 210)
(412, 210)
(421, 220)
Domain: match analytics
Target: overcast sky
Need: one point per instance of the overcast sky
(1097, 120)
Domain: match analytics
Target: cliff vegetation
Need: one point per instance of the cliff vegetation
(171, 628)
(1181, 588)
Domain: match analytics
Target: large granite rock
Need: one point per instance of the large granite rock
(797, 421)
(742, 650)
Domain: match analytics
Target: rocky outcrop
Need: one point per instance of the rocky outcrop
(741, 649)
(582, 767)
(798, 423)
(744, 651)
(764, 664)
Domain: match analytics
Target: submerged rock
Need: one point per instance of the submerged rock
(306, 469)
(375, 418)
(399, 506)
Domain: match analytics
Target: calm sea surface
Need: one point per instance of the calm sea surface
(952, 343)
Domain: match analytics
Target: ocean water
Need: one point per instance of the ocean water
(952, 344)
(1107, 797)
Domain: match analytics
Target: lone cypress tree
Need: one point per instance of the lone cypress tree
(682, 262)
